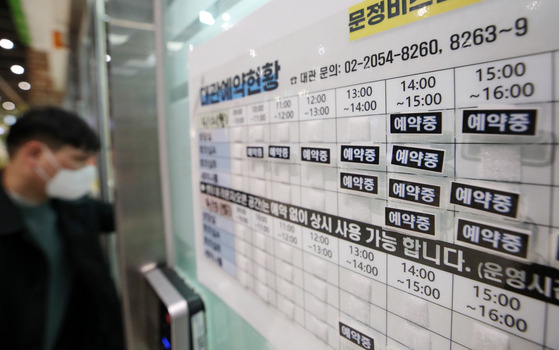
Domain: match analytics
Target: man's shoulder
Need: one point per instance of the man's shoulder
(82, 202)
(85, 206)
(87, 211)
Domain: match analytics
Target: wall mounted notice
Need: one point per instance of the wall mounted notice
(398, 190)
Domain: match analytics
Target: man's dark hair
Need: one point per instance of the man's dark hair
(55, 127)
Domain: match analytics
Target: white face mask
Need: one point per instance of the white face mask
(68, 184)
(72, 184)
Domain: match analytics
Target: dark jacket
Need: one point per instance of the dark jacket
(93, 317)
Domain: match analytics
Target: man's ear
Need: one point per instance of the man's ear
(31, 152)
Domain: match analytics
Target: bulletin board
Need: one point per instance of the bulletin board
(382, 174)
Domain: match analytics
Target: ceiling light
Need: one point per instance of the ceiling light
(17, 69)
(9, 106)
(206, 18)
(226, 17)
(175, 46)
(6, 44)
(24, 85)
(149, 62)
(118, 39)
(10, 119)
(108, 58)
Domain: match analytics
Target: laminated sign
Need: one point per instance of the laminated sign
(383, 174)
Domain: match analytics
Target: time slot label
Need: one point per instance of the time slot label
(365, 261)
(360, 154)
(356, 337)
(416, 123)
(485, 199)
(284, 109)
(288, 233)
(428, 159)
(261, 223)
(414, 192)
(500, 239)
(321, 245)
(255, 152)
(315, 155)
(318, 105)
(237, 116)
(420, 280)
(519, 80)
(410, 220)
(359, 182)
(258, 113)
(509, 311)
(279, 152)
(499, 122)
(241, 214)
(363, 99)
(421, 92)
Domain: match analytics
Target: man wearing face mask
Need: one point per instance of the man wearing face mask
(55, 287)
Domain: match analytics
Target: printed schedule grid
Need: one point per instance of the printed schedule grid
(412, 212)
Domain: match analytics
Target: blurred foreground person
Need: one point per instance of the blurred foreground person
(56, 291)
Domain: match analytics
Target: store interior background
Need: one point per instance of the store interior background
(123, 65)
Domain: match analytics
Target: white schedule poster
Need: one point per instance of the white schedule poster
(382, 174)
